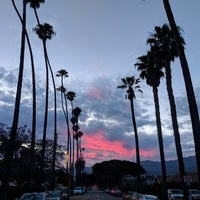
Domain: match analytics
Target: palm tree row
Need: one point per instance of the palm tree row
(163, 50)
(76, 134)
(44, 32)
(188, 83)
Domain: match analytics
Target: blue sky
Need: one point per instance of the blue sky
(98, 42)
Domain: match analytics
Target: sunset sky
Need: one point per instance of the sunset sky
(98, 42)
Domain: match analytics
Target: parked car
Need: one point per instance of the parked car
(116, 192)
(147, 197)
(33, 195)
(195, 194)
(107, 190)
(134, 196)
(126, 195)
(175, 194)
(53, 195)
(78, 190)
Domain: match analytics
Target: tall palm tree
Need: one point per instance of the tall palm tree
(35, 4)
(33, 93)
(13, 133)
(188, 83)
(76, 113)
(163, 43)
(151, 72)
(131, 84)
(44, 32)
(63, 73)
(70, 96)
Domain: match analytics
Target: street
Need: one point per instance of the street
(95, 194)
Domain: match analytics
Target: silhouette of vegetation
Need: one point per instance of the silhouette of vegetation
(20, 167)
(111, 172)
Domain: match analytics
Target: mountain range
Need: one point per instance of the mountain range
(154, 167)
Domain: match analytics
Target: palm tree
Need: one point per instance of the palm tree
(131, 84)
(44, 32)
(63, 73)
(75, 115)
(151, 71)
(35, 4)
(33, 93)
(163, 43)
(188, 83)
(13, 133)
(70, 96)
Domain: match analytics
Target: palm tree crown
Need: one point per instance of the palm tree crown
(44, 31)
(35, 3)
(150, 70)
(128, 83)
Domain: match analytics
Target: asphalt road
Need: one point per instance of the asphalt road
(95, 194)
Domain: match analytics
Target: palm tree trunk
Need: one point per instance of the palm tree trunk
(160, 141)
(68, 140)
(73, 149)
(175, 128)
(136, 143)
(46, 113)
(33, 94)
(188, 84)
(55, 128)
(9, 156)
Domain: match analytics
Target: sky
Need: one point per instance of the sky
(98, 42)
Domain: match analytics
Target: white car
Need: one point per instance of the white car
(147, 197)
(78, 190)
(195, 194)
(175, 194)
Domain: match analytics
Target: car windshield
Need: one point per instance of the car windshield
(176, 192)
(195, 191)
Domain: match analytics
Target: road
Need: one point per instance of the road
(95, 194)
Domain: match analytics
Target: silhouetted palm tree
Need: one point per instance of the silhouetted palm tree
(131, 84)
(44, 32)
(70, 96)
(151, 72)
(76, 113)
(35, 4)
(163, 43)
(33, 94)
(9, 156)
(63, 73)
(188, 83)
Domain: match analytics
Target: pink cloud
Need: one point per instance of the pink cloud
(95, 92)
(97, 147)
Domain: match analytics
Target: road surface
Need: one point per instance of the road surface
(95, 194)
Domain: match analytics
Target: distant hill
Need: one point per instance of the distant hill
(154, 167)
